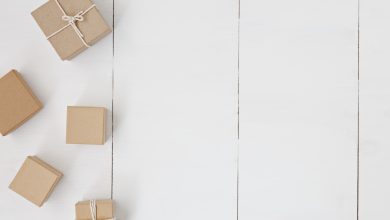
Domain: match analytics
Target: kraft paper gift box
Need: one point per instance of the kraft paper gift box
(35, 180)
(17, 102)
(71, 26)
(85, 125)
(103, 209)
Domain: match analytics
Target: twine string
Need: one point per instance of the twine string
(92, 208)
(72, 22)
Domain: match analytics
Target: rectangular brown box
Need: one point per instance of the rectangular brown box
(104, 210)
(85, 125)
(35, 180)
(17, 102)
(66, 42)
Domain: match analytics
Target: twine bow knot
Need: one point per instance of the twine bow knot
(73, 19)
(72, 22)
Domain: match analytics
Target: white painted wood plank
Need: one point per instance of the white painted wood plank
(374, 110)
(175, 109)
(86, 80)
(298, 110)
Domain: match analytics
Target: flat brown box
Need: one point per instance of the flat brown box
(35, 180)
(104, 210)
(85, 125)
(17, 102)
(67, 43)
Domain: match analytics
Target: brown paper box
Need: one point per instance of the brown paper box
(17, 102)
(67, 43)
(104, 210)
(86, 125)
(35, 180)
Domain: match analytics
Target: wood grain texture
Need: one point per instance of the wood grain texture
(214, 117)
(374, 110)
(298, 110)
(175, 109)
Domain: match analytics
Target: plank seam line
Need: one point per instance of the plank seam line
(358, 116)
(238, 110)
(112, 98)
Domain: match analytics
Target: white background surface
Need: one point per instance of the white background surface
(222, 110)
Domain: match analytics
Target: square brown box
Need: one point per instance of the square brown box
(35, 180)
(61, 34)
(17, 102)
(104, 210)
(85, 125)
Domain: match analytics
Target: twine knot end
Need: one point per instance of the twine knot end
(72, 22)
(72, 19)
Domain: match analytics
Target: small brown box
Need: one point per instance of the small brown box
(104, 210)
(17, 102)
(35, 180)
(86, 125)
(62, 34)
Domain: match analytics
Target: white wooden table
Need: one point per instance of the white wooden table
(219, 110)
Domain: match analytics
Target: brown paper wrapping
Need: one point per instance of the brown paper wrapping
(86, 125)
(104, 210)
(35, 180)
(17, 102)
(67, 43)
